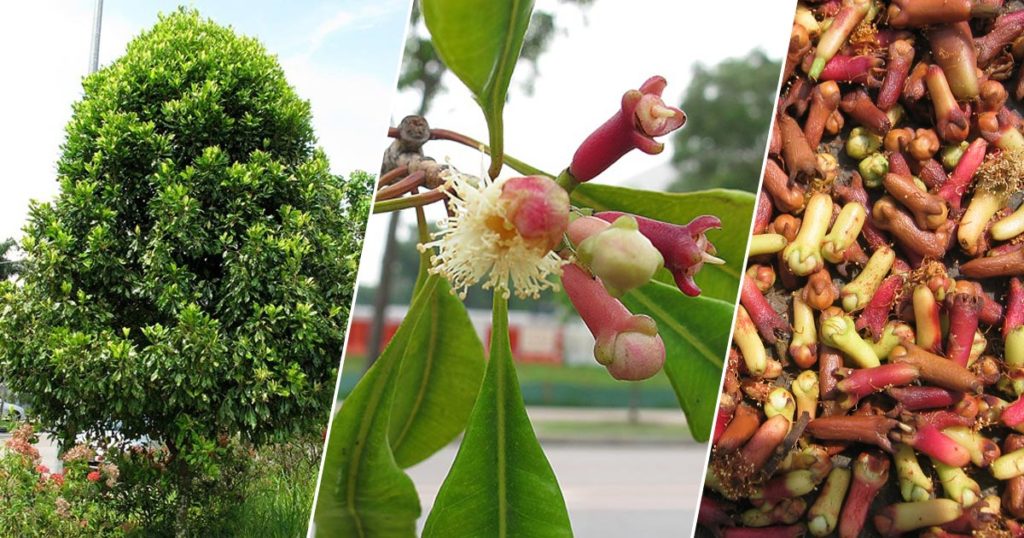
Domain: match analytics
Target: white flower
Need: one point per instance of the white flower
(479, 243)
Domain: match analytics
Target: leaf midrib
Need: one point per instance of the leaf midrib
(427, 374)
(372, 404)
(493, 88)
(665, 319)
(351, 480)
(727, 269)
(502, 456)
(501, 351)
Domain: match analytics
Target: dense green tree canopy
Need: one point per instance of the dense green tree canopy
(192, 279)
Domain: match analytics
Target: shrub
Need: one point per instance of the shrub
(191, 281)
(257, 492)
(153, 493)
(73, 502)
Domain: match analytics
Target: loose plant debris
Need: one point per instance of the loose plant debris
(882, 302)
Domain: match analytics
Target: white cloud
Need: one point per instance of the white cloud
(349, 17)
(340, 20)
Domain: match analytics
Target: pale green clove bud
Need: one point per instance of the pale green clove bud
(620, 256)
(873, 169)
(862, 143)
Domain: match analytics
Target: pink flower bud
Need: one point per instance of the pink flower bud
(584, 227)
(619, 255)
(643, 116)
(684, 246)
(627, 345)
(537, 207)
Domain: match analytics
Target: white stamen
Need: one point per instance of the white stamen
(713, 260)
(470, 251)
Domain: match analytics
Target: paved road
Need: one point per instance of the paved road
(666, 417)
(610, 491)
(47, 447)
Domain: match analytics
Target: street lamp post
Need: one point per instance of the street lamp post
(97, 22)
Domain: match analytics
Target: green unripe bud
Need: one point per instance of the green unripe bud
(620, 256)
(862, 143)
(873, 169)
(951, 155)
(895, 114)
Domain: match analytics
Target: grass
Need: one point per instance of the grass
(266, 492)
(279, 497)
(611, 431)
(563, 386)
(591, 376)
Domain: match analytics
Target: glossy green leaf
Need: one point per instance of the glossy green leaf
(363, 491)
(480, 41)
(734, 208)
(500, 484)
(696, 335)
(442, 367)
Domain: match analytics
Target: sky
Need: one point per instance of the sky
(610, 48)
(341, 55)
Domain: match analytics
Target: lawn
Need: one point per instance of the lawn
(607, 431)
(563, 386)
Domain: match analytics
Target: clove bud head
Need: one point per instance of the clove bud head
(631, 350)
(537, 208)
(621, 256)
(642, 117)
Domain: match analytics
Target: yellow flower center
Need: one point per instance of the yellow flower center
(499, 225)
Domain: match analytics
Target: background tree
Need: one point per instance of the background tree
(723, 145)
(406, 260)
(8, 268)
(191, 281)
(423, 70)
(8, 265)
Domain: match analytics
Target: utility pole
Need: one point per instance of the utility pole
(380, 302)
(97, 23)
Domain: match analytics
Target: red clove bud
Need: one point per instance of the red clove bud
(627, 345)
(642, 117)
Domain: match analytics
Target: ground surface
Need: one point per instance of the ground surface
(615, 486)
(619, 478)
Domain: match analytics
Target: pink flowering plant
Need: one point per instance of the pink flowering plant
(653, 275)
(72, 501)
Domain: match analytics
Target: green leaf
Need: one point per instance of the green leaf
(480, 41)
(442, 367)
(696, 335)
(363, 491)
(695, 329)
(500, 484)
(734, 208)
